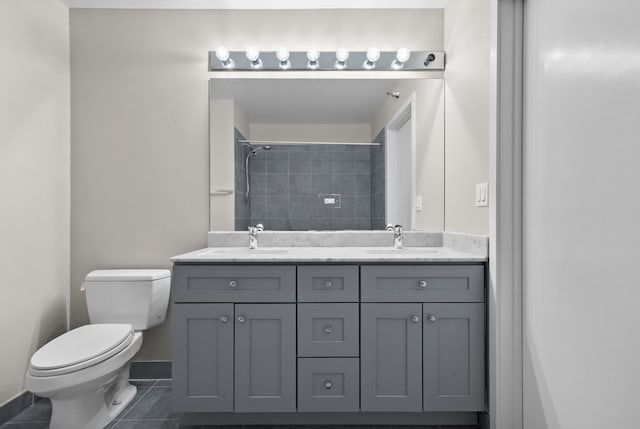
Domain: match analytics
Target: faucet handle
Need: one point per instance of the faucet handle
(389, 227)
(253, 230)
(260, 227)
(397, 229)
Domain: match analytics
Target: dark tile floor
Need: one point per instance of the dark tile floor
(151, 409)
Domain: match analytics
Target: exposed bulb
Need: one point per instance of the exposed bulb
(253, 55)
(313, 56)
(341, 58)
(283, 56)
(403, 55)
(222, 53)
(373, 55)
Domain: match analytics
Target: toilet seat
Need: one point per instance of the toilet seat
(80, 348)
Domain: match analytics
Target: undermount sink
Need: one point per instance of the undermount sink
(247, 251)
(404, 251)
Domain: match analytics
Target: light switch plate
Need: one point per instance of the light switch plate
(482, 194)
(419, 203)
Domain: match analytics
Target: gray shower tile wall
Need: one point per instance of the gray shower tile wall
(377, 182)
(288, 182)
(242, 206)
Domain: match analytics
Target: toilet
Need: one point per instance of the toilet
(85, 372)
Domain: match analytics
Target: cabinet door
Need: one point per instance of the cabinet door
(202, 357)
(265, 357)
(453, 349)
(391, 357)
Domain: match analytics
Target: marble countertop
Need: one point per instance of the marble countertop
(328, 254)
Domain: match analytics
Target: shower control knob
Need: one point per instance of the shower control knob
(328, 385)
(233, 283)
(422, 284)
(328, 284)
(241, 319)
(224, 319)
(432, 318)
(328, 329)
(415, 319)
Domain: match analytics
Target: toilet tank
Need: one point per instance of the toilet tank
(137, 297)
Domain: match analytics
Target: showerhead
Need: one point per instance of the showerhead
(394, 94)
(254, 151)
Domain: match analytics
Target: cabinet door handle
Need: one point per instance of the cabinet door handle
(233, 283)
(328, 384)
(415, 319)
(328, 329)
(224, 319)
(432, 318)
(328, 284)
(241, 319)
(423, 284)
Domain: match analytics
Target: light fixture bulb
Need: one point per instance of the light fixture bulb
(341, 58)
(313, 55)
(403, 55)
(342, 54)
(222, 53)
(283, 57)
(282, 54)
(373, 54)
(253, 54)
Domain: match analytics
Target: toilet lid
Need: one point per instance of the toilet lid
(80, 348)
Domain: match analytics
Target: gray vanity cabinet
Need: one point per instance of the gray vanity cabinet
(391, 357)
(265, 357)
(258, 343)
(203, 357)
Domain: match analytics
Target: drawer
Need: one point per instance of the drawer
(328, 384)
(328, 283)
(233, 283)
(328, 330)
(422, 283)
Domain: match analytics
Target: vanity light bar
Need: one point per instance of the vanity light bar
(327, 60)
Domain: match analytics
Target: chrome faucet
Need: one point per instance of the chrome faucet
(253, 235)
(398, 235)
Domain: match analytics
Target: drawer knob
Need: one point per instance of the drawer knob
(328, 284)
(224, 319)
(422, 284)
(233, 283)
(328, 329)
(415, 319)
(432, 318)
(241, 319)
(328, 385)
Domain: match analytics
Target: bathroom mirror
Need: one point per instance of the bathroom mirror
(326, 154)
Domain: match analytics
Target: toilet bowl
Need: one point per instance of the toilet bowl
(85, 372)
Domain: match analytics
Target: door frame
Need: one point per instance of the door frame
(505, 281)
(405, 113)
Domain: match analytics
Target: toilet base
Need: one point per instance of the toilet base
(91, 410)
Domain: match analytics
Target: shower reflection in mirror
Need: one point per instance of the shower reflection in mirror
(293, 186)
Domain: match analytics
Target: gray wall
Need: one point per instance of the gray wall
(34, 182)
(139, 107)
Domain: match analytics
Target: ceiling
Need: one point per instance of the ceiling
(257, 4)
(305, 101)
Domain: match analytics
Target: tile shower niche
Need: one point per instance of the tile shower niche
(296, 187)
